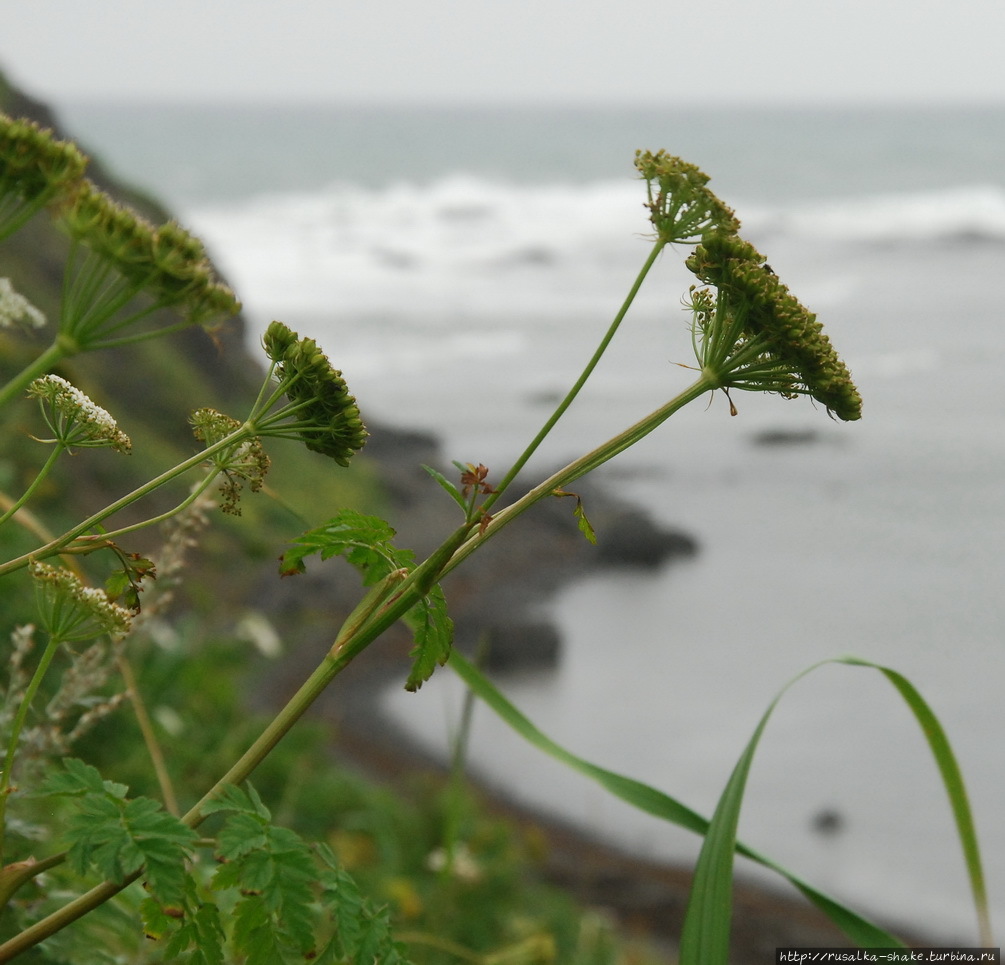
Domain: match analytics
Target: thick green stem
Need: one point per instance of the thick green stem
(42, 365)
(579, 468)
(66, 915)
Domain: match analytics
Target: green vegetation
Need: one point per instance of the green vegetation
(188, 832)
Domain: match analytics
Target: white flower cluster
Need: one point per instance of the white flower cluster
(75, 419)
(73, 611)
(15, 309)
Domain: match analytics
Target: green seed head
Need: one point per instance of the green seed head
(34, 166)
(166, 262)
(326, 418)
(681, 206)
(796, 356)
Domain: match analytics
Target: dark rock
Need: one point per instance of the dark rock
(637, 541)
(786, 437)
(517, 647)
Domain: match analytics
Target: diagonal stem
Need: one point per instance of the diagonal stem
(581, 381)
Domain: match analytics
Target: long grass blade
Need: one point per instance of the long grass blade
(705, 938)
(858, 929)
(952, 780)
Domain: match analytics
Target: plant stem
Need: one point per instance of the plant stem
(277, 728)
(456, 548)
(36, 482)
(579, 468)
(149, 735)
(247, 430)
(45, 362)
(581, 381)
(66, 915)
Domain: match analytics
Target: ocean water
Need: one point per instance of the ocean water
(459, 266)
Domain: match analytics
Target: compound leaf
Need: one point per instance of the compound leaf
(117, 837)
(433, 632)
(365, 541)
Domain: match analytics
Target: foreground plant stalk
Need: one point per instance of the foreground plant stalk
(461, 544)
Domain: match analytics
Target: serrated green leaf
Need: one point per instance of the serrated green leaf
(240, 834)
(209, 936)
(254, 934)
(585, 526)
(198, 939)
(116, 837)
(99, 838)
(374, 942)
(433, 632)
(78, 778)
(117, 584)
(156, 922)
(233, 798)
(365, 541)
(227, 875)
(362, 932)
(273, 865)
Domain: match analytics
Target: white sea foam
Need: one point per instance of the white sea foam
(974, 213)
(463, 245)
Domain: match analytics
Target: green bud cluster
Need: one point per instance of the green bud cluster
(71, 611)
(245, 461)
(779, 344)
(327, 418)
(681, 207)
(166, 261)
(35, 168)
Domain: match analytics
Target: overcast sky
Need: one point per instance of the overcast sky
(509, 51)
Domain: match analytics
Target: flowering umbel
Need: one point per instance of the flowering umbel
(73, 418)
(15, 309)
(165, 261)
(245, 461)
(681, 206)
(71, 611)
(324, 415)
(755, 335)
(35, 170)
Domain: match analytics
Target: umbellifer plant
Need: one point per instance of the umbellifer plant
(254, 891)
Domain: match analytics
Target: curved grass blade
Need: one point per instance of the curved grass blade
(952, 779)
(858, 929)
(705, 938)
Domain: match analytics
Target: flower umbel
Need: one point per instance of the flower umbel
(245, 461)
(71, 611)
(35, 170)
(681, 207)
(755, 335)
(325, 416)
(73, 418)
(15, 309)
(165, 262)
